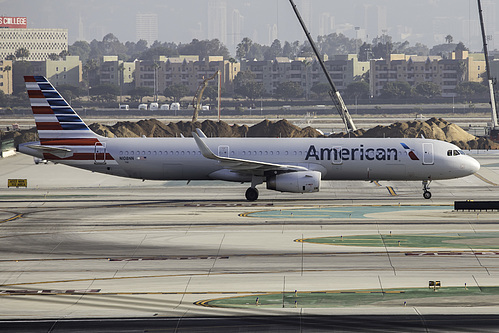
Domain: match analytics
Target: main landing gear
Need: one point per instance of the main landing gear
(426, 187)
(251, 194)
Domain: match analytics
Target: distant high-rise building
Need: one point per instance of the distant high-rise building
(217, 20)
(375, 20)
(272, 33)
(306, 12)
(236, 28)
(81, 34)
(326, 24)
(147, 27)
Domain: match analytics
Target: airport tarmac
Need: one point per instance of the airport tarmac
(75, 244)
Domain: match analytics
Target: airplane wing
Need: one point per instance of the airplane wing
(248, 166)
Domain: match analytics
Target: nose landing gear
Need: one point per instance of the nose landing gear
(426, 187)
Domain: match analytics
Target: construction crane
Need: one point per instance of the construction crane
(494, 128)
(334, 93)
(196, 101)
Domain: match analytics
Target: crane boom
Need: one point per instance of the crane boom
(487, 69)
(334, 93)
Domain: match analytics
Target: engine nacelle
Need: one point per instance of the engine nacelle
(296, 182)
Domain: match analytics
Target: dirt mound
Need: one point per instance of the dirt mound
(155, 128)
(433, 128)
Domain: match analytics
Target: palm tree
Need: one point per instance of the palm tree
(7, 69)
(121, 70)
(22, 53)
(449, 39)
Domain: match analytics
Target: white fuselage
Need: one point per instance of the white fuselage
(335, 159)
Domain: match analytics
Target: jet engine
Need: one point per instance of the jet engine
(296, 182)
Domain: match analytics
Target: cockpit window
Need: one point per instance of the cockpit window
(455, 152)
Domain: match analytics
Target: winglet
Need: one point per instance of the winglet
(200, 133)
(205, 150)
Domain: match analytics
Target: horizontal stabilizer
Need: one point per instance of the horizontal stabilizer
(57, 151)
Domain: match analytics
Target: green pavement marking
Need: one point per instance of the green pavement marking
(488, 240)
(356, 212)
(351, 298)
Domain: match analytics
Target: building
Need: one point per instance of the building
(146, 27)
(6, 76)
(447, 73)
(185, 70)
(67, 70)
(39, 42)
(217, 20)
(117, 72)
(307, 72)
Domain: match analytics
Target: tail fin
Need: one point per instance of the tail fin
(56, 121)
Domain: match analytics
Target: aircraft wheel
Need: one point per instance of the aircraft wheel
(251, 194)
(427, 194)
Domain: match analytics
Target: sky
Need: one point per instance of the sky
(425, 21)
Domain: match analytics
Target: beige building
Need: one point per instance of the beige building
(307, 72)
(110, 71)
(65, 71)
(6, 76)
(186, 70)
(39, 42)
(447, 73)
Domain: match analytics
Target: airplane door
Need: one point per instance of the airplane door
(223, 151)
(428, 153)
(336, 157)
(100, 153)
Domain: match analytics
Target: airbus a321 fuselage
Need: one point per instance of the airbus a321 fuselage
(285, 164)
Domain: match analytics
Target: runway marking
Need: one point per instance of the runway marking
(349, 298)
(391, 190)
(326, 212)
(376, 183)
(13, 218)
(485, 179)
(459, 240)
(24, 292)
(168, 258)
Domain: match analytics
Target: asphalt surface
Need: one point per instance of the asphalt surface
(79, 250)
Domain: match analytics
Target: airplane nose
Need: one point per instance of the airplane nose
(473, 165)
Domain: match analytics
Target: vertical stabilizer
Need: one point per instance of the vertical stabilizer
(56, 121)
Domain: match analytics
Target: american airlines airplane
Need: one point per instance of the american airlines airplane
(285, 164)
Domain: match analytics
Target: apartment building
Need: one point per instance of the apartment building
(186, 70)
(6, 84)
(447, 73)
(112, 69)
(307, 72)
(67, 70)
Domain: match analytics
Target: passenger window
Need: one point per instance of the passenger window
(131, 153)
(121, 152)
(126, 153)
